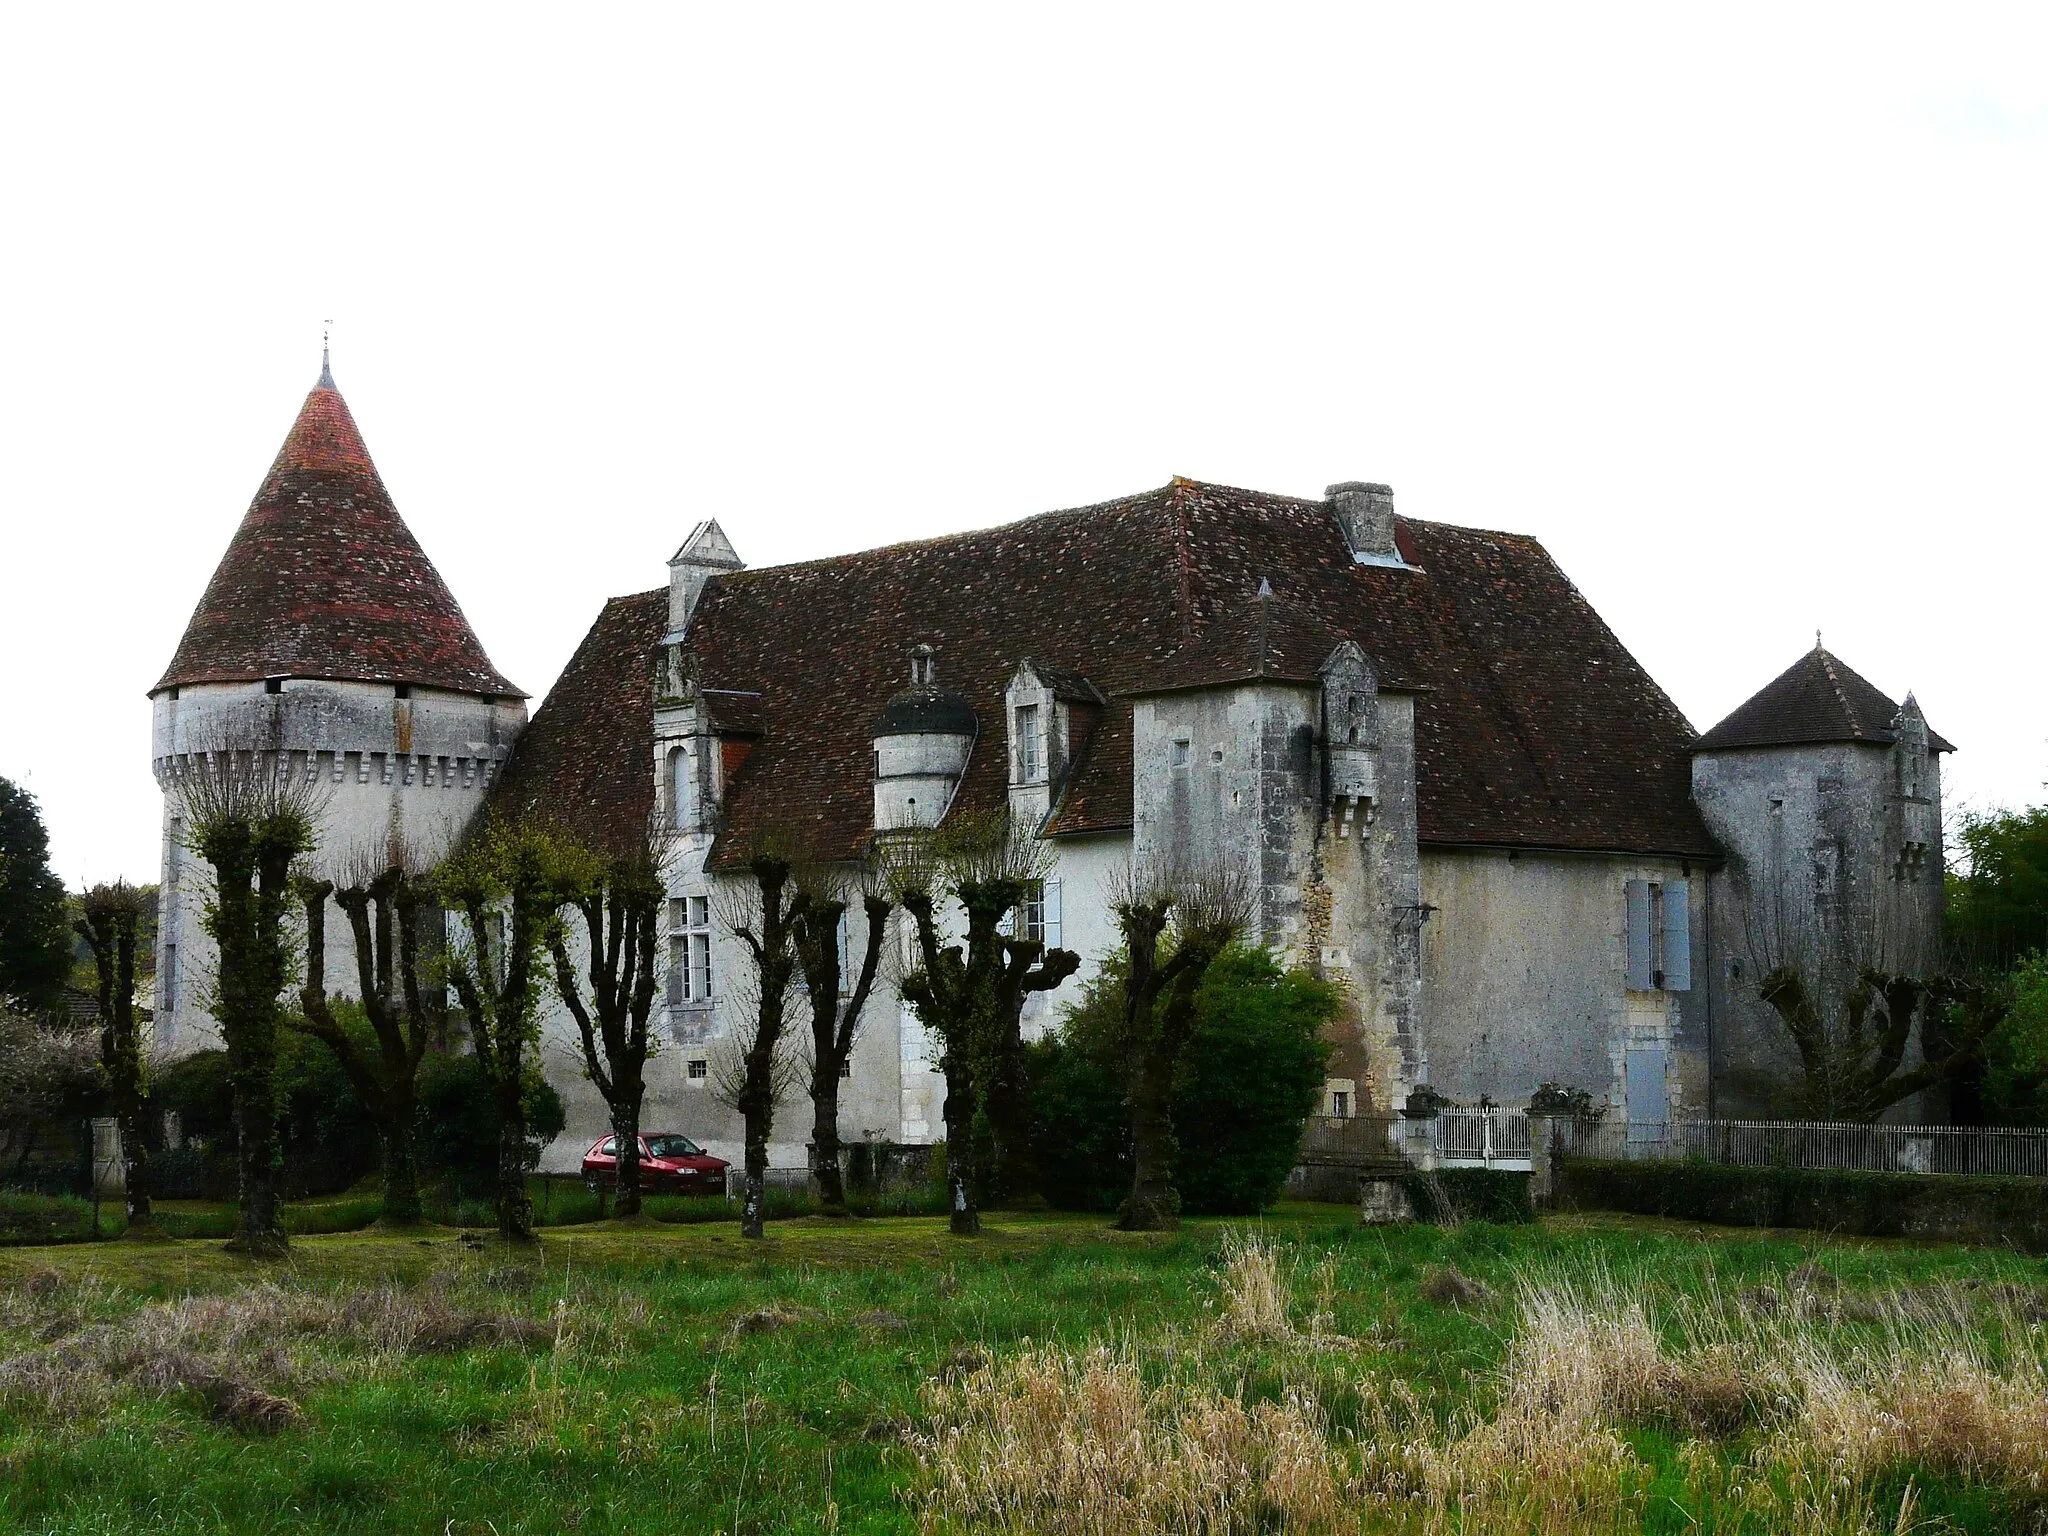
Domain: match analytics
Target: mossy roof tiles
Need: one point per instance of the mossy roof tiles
(323, 579)
(1534, 725)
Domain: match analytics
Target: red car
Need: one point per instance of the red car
(670, 1165)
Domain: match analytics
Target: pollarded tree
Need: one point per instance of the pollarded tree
(250, 824)
(389, 912)
(509, 882)
(1855, 1003)
(619, 900)
(1853, 1043)
(835, 1019)
(764, 918)
(112, 914)
(1176, 920)
(35, 942)
(971, 994)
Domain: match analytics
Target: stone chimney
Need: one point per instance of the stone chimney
(705, 553)
(1365, 512)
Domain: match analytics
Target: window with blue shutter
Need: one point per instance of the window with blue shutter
(1640, 964)
(1677, 915)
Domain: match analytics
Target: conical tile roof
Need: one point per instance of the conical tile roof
(1819, 698)
(323, 579)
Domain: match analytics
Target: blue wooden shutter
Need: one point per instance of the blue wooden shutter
(1639, 964)
(1677, 937)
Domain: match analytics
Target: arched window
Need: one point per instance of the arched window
(681, 803)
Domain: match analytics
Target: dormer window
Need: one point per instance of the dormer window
(1030, 749)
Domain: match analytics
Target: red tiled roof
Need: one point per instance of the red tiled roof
(323, 579)
(1534, 726)
(1818, 698)
(590, 769)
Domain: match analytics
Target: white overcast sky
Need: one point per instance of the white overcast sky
(1743, 311)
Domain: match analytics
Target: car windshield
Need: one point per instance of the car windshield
(671, 1146)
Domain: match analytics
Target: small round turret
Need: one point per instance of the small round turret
(923, 738)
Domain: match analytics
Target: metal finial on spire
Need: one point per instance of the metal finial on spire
(1816, 641)
(326, 374)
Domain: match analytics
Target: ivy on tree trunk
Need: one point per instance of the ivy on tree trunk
(833, 1026)
(619, 907)
(251, 841)
(111, 916)
(384, 918)
(769, 935)
(971, 997)
(1159, 1019)
(522, 874)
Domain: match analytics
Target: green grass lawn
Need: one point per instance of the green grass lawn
(676, 1378)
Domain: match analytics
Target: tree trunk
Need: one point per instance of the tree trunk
(135, 1172)
(515, 1209)
(960, 1180)
(626, 1131)
(1153, 1205)
(825, 1140)
(401, 1162)
(753, 1203)
(1013, 1177)
(262, 1233)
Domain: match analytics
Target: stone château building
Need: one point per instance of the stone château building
(1454, 790)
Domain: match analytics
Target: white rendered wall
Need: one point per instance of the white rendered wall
(385, 772)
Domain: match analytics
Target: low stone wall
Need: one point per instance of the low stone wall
(1959, 1208)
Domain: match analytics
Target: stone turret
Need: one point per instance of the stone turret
(326, 648)
(922, 738)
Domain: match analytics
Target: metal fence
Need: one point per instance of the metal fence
(1814, 1144)
(1345, 1140)
(1492, 1138)
(1483, 1136)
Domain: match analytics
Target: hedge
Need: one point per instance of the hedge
(1970, 1208)
(1447, 1195)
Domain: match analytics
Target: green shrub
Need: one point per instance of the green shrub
(1248, 1081)
(1951, 1207)
(1449, 1195)
(329, 1141)
(26, 1218)
(196, 1089)
(458, 1124)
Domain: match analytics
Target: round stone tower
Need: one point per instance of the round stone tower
(326, 647)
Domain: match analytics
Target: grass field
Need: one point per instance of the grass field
(1298, 1373)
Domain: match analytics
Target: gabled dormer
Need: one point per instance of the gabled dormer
(1049, 713)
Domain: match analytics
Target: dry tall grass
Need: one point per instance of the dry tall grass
(1795, 1415)
(235, 1347)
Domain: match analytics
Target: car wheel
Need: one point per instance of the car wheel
(593, 1183)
